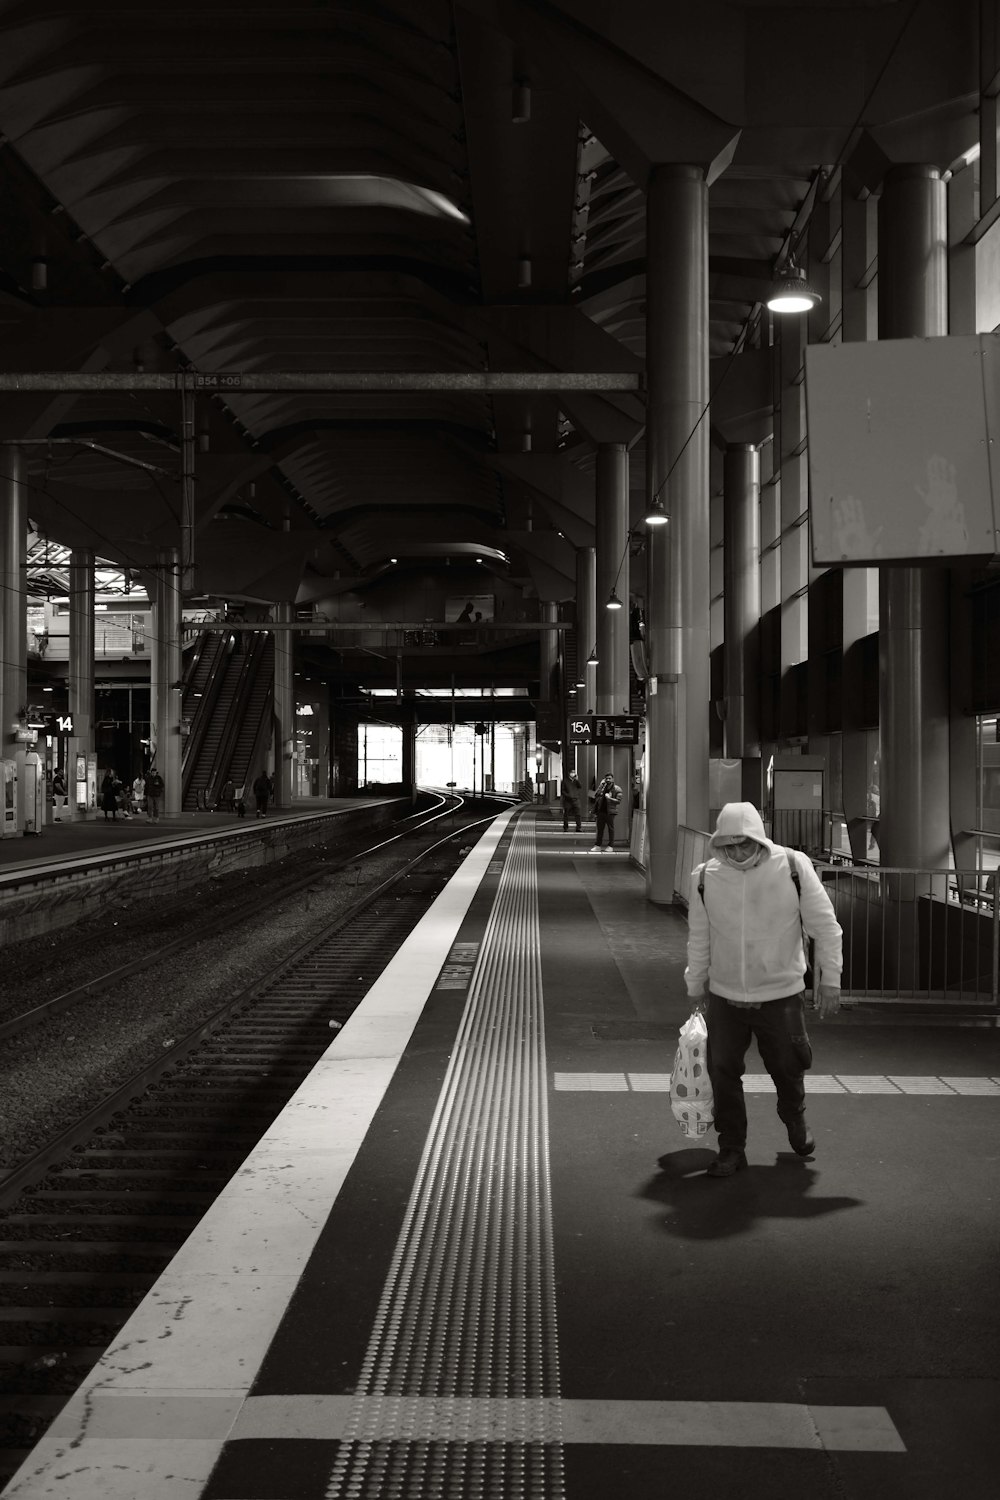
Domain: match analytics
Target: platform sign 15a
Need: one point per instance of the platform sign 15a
(604, 729)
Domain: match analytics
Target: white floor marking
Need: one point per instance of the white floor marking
(732, 1424)
(760, 1083)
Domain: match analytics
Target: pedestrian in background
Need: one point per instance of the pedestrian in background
(109, 796)
(749, 905)
(263, 789)
(571, 794)
(154, 794)
(607, 801)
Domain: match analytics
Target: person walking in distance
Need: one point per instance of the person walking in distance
(154, 794)
(262, 790)
(571, 793)
(749, 906)
(607, 801)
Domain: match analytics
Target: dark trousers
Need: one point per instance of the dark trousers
(780, 1029)
(604, 820)
(569, 812)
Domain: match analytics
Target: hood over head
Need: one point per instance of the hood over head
(738, 820)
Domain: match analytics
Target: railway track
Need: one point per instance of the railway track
(89, 1223)
(298, 876)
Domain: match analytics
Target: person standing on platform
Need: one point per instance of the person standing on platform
(109, 796)
(154, 794)
(138, 792)
(227, 797)
(607, 801)
(749, 907)
(571, 793)
(263, 789)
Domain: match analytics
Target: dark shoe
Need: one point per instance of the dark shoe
(800, 1137)
(727, 1162)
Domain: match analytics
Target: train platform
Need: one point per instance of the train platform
(74, 838)
(475, 1256)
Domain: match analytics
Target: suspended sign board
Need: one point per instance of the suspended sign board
(901, 449)
(609, 729)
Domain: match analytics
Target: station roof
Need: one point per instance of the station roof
(242, 189)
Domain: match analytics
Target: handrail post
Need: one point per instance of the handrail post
(995, 977)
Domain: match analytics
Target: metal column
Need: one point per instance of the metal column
(741, 563)
(284, 708)
(13, 611)
(586, 641)
(165, 687)
(80, 677)
(913, 602)
(612, 536)
(677, 444)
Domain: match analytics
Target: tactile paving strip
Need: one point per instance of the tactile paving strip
(468, 1310)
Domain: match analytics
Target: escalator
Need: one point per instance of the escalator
(227, 704)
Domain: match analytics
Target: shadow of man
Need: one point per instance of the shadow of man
(708, 1208)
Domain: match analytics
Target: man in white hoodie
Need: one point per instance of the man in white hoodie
(748, 906)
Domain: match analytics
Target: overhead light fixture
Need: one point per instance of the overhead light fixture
(592, 658)
(613, 601)
(791, 292)
(394, 559)
(655, 514)
(581, 682)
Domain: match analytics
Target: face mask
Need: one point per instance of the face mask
(741, 858)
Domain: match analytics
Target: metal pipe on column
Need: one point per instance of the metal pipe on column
(914, 826)
(612, 624)
(80, 675)
(166, 688)
(741, 583)
(13, 611)
(586, 641)
(284, 708)
(677, 462)
(548, 686)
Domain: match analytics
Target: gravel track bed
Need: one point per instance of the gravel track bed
(57, 1071)
(50, 965)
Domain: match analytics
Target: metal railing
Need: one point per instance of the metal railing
(914, 935)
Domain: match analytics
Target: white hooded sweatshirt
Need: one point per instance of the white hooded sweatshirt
(744, 938)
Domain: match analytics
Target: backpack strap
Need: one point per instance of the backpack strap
(794, 871)
(701, 881)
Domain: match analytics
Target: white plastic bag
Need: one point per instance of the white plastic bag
(691, 1102)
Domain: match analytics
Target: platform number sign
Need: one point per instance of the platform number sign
(606, 729)
(57, 723)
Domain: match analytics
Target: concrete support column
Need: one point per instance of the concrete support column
(80, 675)
(548, 651)
(859, 219)
(13, 617)
(165, 668)
(408, 764)
(913, 602)
(586, 640)
(284, 708)
(741, 564)
(677, 444)
(612, 624)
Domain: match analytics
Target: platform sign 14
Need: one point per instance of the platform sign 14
(604, 729)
